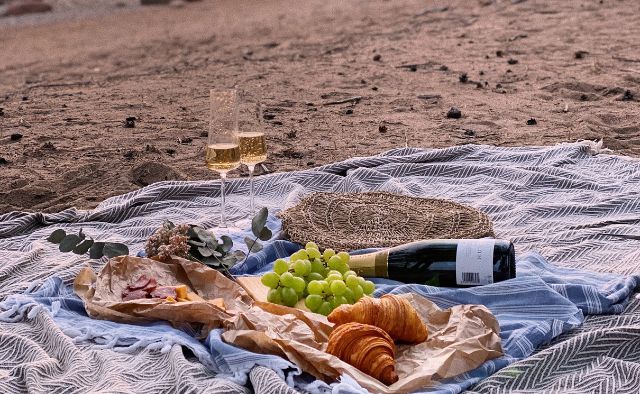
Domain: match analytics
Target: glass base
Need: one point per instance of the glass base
(230, 229)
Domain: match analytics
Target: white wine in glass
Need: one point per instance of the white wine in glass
(253, 151)
(223, 150)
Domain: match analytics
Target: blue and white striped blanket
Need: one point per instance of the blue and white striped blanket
(577, 208)
(540, 304)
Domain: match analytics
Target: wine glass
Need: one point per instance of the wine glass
(223, 150)
(253, 146)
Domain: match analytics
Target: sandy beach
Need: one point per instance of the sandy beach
(520, 73)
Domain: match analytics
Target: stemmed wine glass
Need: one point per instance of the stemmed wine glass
(253, 146)
(223, 150)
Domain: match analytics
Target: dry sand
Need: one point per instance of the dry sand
(67, 84)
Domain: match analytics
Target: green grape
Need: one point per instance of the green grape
(338, 287)
(349, 273)
(317, 266)
(315, 287)
(294, 257)
(357, 292)
(349, 295)
(300, 268)
(270, 279)
(289, 296)
(327, 254)
(334, 262)
(352, 281)
(302, 254)
(333, 277)
(307, 264)
(274, 296)
(287, 279)
(369, 287)
(311, 245)
(344, 256)
(361, 280)
(313, 253)
(326, 287)
(299, 285)
(334, 272)
(280, 266)
(338, 300)
(313, 302)
(343, 268)
(324, 309)
(314, 276)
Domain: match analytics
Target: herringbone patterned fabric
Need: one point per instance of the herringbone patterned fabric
(578, 208)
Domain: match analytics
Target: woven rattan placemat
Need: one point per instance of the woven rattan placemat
(347, 221)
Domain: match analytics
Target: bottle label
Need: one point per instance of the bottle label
(371, 264)
(474, 262)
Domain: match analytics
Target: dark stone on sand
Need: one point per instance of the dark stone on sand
(509, 70)
(363, 82)
(291, 134)
(268, 116)
(627, 96)
(154, 2)
(3, 161)
(16, 136)
(479, 85)
(580, 54)
(454, 113)
(27, 7)
(130, 122)
(170, 151)
(377, 57)
(311, 163)
(374, 88)
(48, 146)
(469, 132)
(499, 53)
(464, 78)
(584, 97)
(444, 68)
(532, 122)
(130, 155)
(481, 72)
(1, 111)
(277, 122)
(512, 61)
(349, 111)
(185, 140)
(150, 172)
(498, 86)
(25, 98)
(151, 149)
(382, 128)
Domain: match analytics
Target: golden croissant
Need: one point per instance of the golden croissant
(392, 313)
(367, 348)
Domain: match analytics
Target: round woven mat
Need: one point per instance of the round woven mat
(347, 221)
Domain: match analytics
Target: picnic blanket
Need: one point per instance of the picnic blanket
(571, 204)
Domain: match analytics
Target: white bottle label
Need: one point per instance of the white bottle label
(474, 262)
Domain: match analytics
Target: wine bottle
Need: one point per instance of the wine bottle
(441, 262)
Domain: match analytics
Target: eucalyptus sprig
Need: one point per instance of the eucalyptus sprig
(81, 244)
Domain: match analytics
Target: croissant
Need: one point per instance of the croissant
(392, 313)
(367, 348)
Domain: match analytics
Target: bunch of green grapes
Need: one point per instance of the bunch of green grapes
(324, 280)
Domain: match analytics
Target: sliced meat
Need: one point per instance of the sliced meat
(142, 282)
(164, 292)
(134, 295)
(151, 286)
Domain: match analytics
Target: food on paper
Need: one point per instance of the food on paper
(393, 314)
(366, 347)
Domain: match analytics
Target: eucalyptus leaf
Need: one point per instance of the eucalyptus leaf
(68, 243)
(265, 234)
(168, 224)
(253, 245)
(210, 261)
(206, 237)
(217, 254)
(239, 254)
(113, 249)
(81, 235)
(259, 221)
(195, 243)
(83, 247)
(227, 243)
(205, 252)
(229, 261)
(57, 236)
(95, 252)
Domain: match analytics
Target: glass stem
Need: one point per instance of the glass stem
(223, 218)
(251, 203)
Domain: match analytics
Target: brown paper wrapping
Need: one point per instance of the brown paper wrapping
(222, 298)
(460, 339)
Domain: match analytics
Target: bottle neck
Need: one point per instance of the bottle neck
(371, 264)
